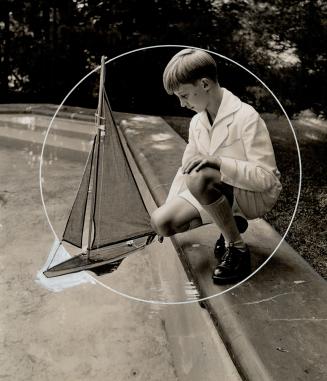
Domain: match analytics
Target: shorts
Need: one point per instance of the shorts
(228, 192)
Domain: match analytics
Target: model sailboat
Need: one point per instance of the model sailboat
(119, 222)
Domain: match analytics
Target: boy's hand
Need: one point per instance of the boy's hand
(199, 161)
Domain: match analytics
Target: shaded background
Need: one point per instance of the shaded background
(47, 46)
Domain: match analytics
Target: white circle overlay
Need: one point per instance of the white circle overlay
(297, 199)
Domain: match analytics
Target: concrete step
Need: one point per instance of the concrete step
(68, 138)
(28, 133)
(196, 347)
(60, 126)
(274, 325)
(66, 112)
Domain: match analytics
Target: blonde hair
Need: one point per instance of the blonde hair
(188, 66)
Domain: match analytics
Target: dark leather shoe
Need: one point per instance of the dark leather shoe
(235, 265)
(220, 248)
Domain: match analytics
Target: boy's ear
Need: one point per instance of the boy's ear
(205, 83)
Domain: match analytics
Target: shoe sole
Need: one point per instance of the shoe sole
(235, 279)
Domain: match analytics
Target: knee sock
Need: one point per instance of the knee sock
(221, 213)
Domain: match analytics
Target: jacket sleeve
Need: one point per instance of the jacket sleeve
(191, 148)
(258, 172)
(178, 185)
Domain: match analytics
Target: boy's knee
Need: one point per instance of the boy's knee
(204, 182)
(160, 224)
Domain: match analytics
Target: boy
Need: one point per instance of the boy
(228, 172)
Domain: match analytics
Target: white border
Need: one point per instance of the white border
(297, 199)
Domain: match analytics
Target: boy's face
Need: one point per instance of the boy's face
(193, 96)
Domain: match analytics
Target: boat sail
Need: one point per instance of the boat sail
(119, 222)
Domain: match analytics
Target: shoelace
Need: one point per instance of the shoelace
(227, 258)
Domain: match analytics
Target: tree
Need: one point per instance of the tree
(49, 45)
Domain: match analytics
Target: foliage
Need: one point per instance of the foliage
(47, 46)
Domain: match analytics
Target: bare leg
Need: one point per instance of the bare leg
(206, 187)
(175, 216)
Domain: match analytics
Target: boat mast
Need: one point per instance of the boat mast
(100, 128)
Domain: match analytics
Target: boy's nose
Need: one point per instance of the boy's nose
(182, 103)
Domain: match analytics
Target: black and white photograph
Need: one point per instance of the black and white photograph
(163, 190)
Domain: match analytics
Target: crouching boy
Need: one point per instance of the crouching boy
(228, 173)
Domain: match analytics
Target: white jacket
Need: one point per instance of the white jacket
(241, 139)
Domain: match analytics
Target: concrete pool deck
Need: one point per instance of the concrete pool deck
(88, 332)
(273, 325)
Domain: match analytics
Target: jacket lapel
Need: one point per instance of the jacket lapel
(202, 133)
(229, 105)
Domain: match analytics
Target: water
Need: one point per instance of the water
(163, 278)
(57, 255)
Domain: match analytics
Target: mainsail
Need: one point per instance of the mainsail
(119, 221)
(120, 213)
